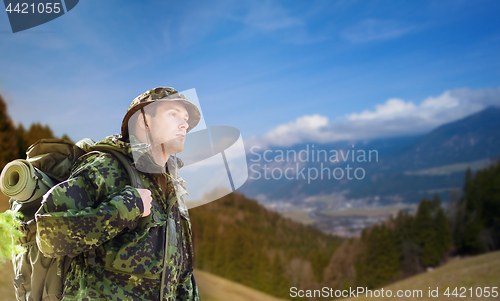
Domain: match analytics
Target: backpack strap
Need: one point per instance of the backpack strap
(135, 179)
(132, 172)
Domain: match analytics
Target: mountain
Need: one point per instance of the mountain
(401, 169)
(436, 162)
(472, 138)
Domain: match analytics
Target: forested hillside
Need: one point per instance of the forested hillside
(238, 239)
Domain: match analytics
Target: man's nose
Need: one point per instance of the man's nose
(184, 124)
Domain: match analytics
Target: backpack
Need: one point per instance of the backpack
(48, 161)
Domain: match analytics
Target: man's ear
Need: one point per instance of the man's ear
(140, 121)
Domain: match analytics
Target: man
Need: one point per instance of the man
(128, 243)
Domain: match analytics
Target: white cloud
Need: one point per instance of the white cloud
(395, 117)
(304, 127)
(446, 107)
(391, 107)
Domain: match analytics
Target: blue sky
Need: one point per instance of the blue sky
(281, 72)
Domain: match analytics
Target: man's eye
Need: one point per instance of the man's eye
(173, 114)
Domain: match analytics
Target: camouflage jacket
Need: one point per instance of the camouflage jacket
(96, 216)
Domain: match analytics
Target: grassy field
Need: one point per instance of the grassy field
(214, 288)
(480, 271)
(301, 216)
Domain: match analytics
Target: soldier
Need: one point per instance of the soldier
(128, 243)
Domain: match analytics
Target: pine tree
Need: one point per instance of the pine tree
(380, 262)
(8, 137)
(278, 280)
(435, 204)
(467, 180)
(65, 136)
(37, 132)
(410, 249)
(442, 231)
(22, 145)
(425, 234)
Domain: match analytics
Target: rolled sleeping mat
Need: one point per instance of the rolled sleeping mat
(23, 182)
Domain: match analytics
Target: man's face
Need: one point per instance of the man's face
(169, 126)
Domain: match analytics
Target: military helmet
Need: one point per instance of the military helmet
(161, 94)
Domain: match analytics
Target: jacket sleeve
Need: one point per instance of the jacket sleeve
(91, 207)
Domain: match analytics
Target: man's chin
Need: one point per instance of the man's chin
(171, 148)
(177, 148)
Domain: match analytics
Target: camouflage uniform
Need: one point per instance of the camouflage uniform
(121, 256)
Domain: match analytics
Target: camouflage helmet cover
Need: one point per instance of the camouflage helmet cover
(163, 94)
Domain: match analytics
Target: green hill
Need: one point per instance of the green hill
(472, 272)
(238, 239)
